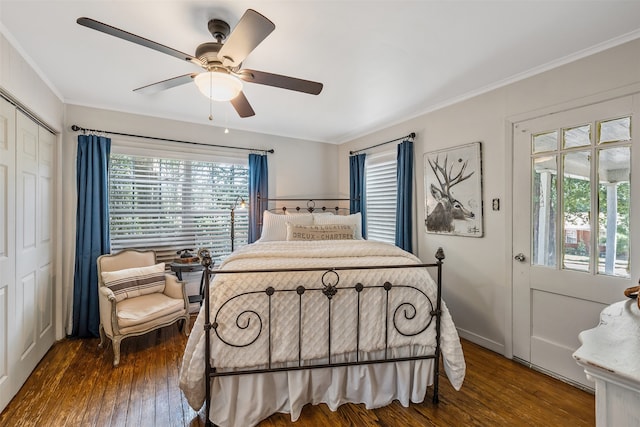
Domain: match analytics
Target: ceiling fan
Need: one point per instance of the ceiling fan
(221, 60)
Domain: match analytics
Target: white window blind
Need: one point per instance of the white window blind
(172, 204)
(381, 195)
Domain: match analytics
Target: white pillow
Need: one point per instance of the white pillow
(354, 219)
(291, 212)
(274, 226)
(320, 212)
(315, 213)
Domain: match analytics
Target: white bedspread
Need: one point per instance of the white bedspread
(315, 336)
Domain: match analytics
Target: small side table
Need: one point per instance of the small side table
(179, 268)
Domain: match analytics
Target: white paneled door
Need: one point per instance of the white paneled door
(27, 212)
(34, 250)
(576, 227)
(7, 244)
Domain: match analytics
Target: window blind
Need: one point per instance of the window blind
(172, 204)
(381, 190)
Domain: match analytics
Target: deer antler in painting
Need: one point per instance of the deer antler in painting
(449, 180)
(448, 207)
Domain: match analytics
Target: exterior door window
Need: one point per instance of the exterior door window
(581, 220)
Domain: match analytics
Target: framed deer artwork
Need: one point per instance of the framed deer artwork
(453, 187)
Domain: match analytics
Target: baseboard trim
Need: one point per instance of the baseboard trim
(554, 375)
(482, 341)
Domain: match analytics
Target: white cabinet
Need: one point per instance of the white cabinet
(27, 278)
(610, 356)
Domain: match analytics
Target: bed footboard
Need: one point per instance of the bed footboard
(396, 314)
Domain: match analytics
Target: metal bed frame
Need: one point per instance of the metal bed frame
(310, 205)
(329, 287)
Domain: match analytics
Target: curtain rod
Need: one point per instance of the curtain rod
(411, 135)
(77, 128)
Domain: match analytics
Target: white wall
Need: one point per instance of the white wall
(22, 82)
(477, 275)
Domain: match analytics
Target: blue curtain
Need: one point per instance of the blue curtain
(92, 230)
(404, 201)
(258, 184)
(357, 192)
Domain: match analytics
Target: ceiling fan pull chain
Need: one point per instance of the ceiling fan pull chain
(210, 97)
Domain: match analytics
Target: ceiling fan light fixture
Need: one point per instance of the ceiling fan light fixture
(218, 86)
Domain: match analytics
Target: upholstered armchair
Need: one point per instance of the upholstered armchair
(136, 296)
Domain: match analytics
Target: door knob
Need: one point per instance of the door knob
(520, 257)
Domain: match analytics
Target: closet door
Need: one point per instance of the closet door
(34, 260)
(45, 246)
(7, 247)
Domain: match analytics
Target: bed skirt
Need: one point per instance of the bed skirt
(245, 400)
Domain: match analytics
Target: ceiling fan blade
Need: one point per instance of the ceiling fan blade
(251, 30)
(166, 84)
(242, 106)
(125, 35)
(283, 82)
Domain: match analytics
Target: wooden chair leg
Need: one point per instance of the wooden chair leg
(103, 337)
(185, 327)
(116, 351)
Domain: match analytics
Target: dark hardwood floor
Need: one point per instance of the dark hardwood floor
(75, 385)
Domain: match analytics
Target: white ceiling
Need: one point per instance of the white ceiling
(381, 62)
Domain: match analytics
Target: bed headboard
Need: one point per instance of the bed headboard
(277, 209)
(322, 204)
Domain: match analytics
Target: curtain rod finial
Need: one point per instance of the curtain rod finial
(75, 128)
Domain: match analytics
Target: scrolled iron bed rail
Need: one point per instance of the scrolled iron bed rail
(330, 287)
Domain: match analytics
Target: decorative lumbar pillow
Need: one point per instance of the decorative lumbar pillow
(320, 232)
(133, 282)
(354, 219)
(274, 226)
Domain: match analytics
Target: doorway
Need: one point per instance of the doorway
(573, 231)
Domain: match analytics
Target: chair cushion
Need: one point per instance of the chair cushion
(146, 308)
(134, 282)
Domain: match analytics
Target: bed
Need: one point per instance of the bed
(289, 322)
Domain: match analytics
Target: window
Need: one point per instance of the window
(588, 199)
(381, 190)
(170, 204)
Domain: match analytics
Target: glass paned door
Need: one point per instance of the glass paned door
(573, 228)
